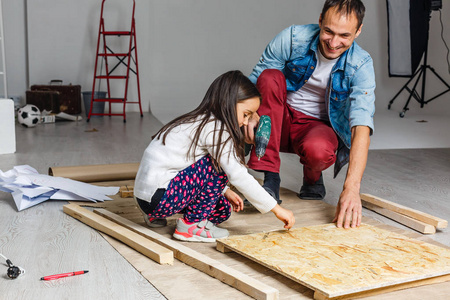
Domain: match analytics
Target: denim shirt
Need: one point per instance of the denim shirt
(350, 97)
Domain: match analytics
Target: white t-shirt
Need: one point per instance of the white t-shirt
(310, 99)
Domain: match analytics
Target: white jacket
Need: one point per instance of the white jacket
(161, 163)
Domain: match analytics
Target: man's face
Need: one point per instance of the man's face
(337, 33)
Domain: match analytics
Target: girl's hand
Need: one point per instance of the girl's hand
(235, 200)
(249, 129)
(284, 215)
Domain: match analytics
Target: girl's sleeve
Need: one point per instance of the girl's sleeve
(238, 175)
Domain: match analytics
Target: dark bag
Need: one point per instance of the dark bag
(69, 95)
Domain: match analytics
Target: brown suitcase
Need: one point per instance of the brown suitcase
(44, 100)
(69, 95)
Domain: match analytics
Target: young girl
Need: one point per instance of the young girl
(188, 164)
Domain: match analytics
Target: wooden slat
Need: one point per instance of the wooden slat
(214, 268)
(402, 219)
(150, 249)
(415, 214)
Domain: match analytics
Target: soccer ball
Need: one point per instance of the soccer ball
(29, 115)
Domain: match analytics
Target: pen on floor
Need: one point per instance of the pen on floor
(56, 276)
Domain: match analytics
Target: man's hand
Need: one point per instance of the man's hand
(284, 215)
(249, 130)
(349, 209)
(235, 200)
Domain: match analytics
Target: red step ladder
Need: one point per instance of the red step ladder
(126, 59)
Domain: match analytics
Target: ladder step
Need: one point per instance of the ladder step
(111, 77)
(113, 100)
(113, 54)
(116, 32)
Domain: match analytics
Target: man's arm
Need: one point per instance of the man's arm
(349, 209)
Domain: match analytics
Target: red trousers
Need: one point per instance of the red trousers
(292, 131)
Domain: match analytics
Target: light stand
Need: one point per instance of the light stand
(421, 72)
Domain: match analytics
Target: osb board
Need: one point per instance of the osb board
(337, 261)
(249, 221)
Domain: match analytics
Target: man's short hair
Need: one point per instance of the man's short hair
(346, 7)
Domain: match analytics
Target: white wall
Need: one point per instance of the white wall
(184, 44)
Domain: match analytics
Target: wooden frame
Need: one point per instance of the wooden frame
(342, 263)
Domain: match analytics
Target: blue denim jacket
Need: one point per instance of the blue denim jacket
(350, 92)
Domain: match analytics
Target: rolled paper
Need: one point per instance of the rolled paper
(97, 173)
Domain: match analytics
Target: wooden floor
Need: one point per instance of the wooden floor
(44, 241)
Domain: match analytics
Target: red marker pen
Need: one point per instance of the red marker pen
(56, 276)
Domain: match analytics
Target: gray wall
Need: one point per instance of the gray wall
(184, 44)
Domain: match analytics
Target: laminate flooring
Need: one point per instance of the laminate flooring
(44, 241)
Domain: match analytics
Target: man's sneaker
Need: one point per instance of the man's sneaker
(151, 222)
(203, 231)
(315, 191)
(271, 185)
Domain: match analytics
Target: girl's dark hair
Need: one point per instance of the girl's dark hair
(219, 103)
(346, 7)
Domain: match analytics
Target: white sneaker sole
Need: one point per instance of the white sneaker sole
(194, 238)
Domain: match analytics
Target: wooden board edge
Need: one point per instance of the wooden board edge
(233, 249)
(150, 249)
(382, 290)
(214, 268)
(220, 246)
(400, 218)
(398, 208)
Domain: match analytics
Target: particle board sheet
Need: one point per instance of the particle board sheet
(335, 262)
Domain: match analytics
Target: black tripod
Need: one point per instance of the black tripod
(421, 72)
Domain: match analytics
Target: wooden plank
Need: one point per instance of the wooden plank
(402, 219)
(150, 249)
(383, 290)
(214, 268)
(415, 214)
(337, 262)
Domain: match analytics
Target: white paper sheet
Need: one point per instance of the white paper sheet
(29, 188)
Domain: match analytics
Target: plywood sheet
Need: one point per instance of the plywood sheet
(336, 261)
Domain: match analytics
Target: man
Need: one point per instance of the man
(317, 85)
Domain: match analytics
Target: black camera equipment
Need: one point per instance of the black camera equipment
(403, 63)
(436, 4)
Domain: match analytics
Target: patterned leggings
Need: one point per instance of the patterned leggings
(197, 193)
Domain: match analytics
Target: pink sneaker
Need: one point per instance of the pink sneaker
(203, 231)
